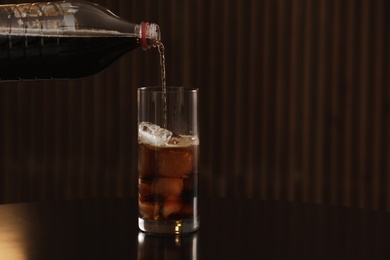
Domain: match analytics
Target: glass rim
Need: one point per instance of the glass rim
(169, 89)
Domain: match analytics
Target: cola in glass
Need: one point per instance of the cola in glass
(168, 176)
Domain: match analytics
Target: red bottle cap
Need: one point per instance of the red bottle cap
(144, 43)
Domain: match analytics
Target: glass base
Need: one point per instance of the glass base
(168, 227)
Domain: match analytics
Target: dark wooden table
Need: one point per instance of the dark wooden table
(230, 229)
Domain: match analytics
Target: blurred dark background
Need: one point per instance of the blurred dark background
(295, 105)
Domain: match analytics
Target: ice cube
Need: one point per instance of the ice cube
(153, 134)
(165, 187)
(144, 190)
(175, 162)
(171, 205)
(147, 164)
(183, 140)
(148, 210)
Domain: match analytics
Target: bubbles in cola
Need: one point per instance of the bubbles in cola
(168, 174)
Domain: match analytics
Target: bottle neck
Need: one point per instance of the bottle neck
(149, 34)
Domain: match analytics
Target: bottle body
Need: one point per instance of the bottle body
(65, 40)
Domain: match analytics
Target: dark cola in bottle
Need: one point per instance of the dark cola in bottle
(65, 39)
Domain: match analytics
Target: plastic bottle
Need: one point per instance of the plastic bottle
(65, 39)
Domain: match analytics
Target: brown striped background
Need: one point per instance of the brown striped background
(295, 105)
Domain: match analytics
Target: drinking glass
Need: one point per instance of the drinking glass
(168, 160)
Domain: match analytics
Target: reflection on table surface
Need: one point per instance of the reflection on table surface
(168, 247)
(230, 229)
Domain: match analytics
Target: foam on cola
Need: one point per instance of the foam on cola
(168, 174)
